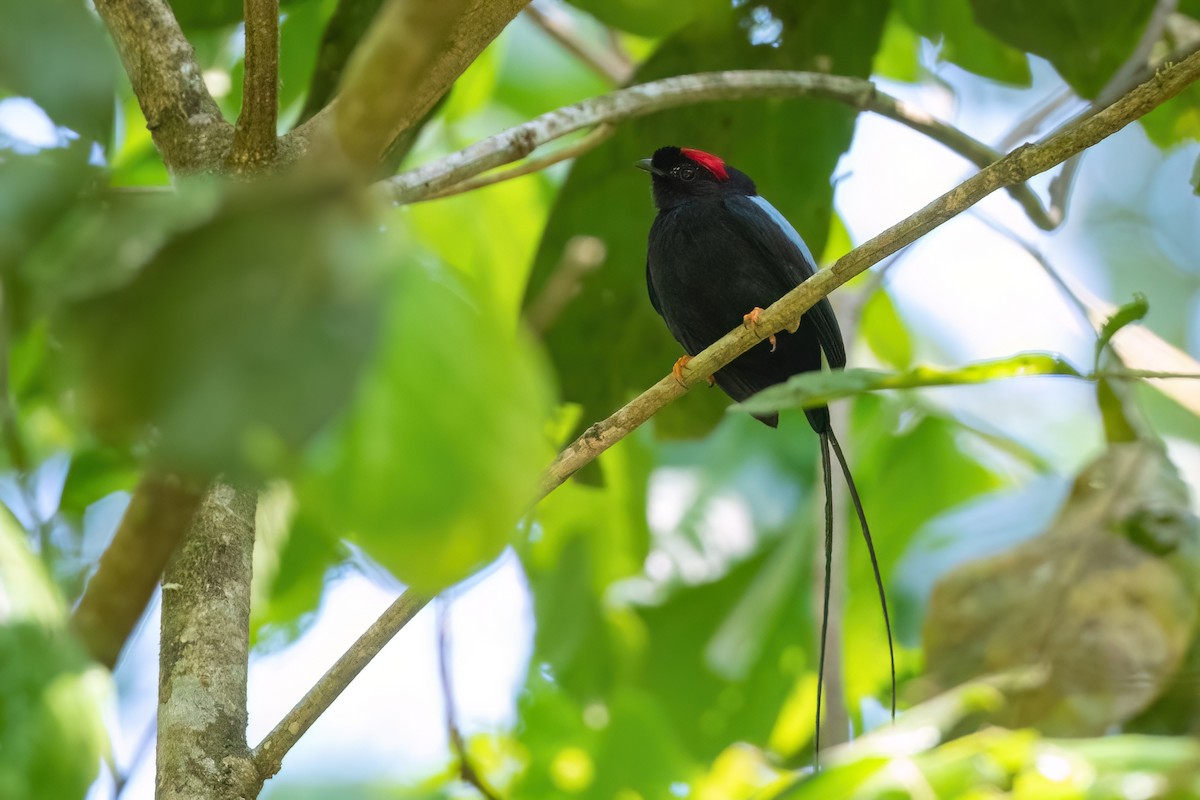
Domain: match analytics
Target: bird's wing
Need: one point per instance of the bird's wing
(765, 226)
(650, 288)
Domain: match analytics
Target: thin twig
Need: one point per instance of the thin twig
(187, 126)
(457, 744)
(594, 137)
(1033, 123)
(1122, 80)
(605, 63)
(1016, 168)
(581, 256)
(268, 756)
(648, 98)
(254, 139)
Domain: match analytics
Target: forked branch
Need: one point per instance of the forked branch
(254, 141)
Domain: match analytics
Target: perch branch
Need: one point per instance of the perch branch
(1015, 168)
(268, 756)
(254, 137)
(648, 98)
(184, 120)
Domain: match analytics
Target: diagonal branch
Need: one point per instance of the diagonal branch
(407, 61)
(1015, 168)
(184, 120)
(647, 98)
(159, 513)
(268, 756)
(608, 64)
(254, 136)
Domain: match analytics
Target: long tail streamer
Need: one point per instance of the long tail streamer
(828, 440)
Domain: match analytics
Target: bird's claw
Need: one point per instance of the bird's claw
(751, 321)
(677, 372)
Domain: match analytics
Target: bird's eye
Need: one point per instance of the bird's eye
(687, 173)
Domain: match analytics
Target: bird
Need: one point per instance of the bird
(718, 254)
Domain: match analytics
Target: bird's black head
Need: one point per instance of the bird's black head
(680, 174)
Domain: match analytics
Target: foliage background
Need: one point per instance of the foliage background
(649, 633)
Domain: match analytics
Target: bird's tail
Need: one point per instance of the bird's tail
(828, 440)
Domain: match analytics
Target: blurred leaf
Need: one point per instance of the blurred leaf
(56, 52)
(899, 56)
(35, 192)
(951, 25)
(647, 17)
(1105, 599)
(1175, 121)
(1085, 40)
(51, 734)
(884, 331)
(348, 22)
(299, 38)
(812, 389)
(293, 559)
(440, 454)
(198, 15)
(96, 473)
(1125, 315)
(240, 338)
(609, 343)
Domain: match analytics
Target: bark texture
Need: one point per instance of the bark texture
(202, 750)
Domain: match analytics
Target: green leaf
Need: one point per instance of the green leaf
(1175, 121)
(440, 454)
(35, 192)
(1127, 314)
(812, 389)
(1085, 40)
(51, 733)
(292, 560)
(609, 344)
(240, 338)
(95, 473)
(885, 332)
(202, 15)
(56, 53)
(951, 24)
(899, 56)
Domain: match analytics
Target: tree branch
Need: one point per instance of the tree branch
(1015, 168)
(409, 58)
(202, 752)
(184, 120)
(254, 139)
(158, 515)
(608, 64)
(648, 98)
(268, 756)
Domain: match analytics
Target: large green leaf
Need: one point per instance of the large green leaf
(241, 336)
(55, 52)
(647, 17)
(609, 344)
(1085, 40)
(951, 24)
(1175, 121)
(440, 454)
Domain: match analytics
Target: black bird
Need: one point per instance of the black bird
(718, 255)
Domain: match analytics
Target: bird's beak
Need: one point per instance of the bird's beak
(646, 165)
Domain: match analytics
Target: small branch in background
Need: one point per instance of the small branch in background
(187, 126)
(203, 655)
(457, 744)
(1124, 79)
(158, 516)
(268, 756)
(1015, 168)
(254, 139)
(594, 137)
(1033, 123)
(608, 64)
(648, 98)
(581, 255)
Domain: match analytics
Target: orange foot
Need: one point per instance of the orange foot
(677, 371)
(751, 321)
